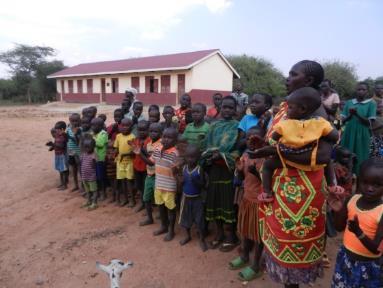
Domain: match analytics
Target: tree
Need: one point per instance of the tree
(24, 62)
(258, 75)
(342, 75)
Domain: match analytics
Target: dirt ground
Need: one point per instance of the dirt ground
(46, 240)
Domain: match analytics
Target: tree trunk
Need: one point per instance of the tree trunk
(29, 95)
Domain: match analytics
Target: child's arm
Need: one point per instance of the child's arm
(363, 120)
(145, 157)
(340, 217)
(102, 140)
(200, 181)
(371, 244)
(332, 137)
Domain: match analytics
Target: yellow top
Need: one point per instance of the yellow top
(299, 133)
(121, 143)
(368, 222)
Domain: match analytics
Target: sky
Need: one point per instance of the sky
(281, 31)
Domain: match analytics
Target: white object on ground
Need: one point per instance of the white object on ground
(114, 270)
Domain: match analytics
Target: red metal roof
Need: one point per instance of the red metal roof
(152, 63)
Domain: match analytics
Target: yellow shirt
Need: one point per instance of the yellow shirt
(121, 143)
(299, 133)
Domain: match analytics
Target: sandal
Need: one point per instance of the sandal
(248, 274)
(237, 263)
(214, 244)
(228, 246)
(265, 198)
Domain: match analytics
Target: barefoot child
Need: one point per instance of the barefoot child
(138, 164)
(73, 132)
(182, 112)
(357, 263)
(165, 158)
(155, 131)
(101, 139)
(248, 168)
(154, 113)
(88, 173)
(60, 146)
(124, 160)
(300, 131)
(192, 207)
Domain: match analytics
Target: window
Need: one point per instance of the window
(79, 86)
(114, 85)
(151, 84)
(136, 83)
(89, 85)
(165, 84)
(70, 86)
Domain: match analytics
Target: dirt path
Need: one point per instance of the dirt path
(46, 240)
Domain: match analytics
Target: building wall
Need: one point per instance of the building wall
(212, 74)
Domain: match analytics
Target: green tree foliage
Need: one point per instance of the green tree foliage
(28, 66)
(343, 77)
(258, 75)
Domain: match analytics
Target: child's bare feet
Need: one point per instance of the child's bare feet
(185, 240)
(147, 221)
(140, 208)
(169, 236)
(112, 200)
(75, 189)
(124, 203)
(160, 231)
(132, 204)
(64, 187)
(93, 206)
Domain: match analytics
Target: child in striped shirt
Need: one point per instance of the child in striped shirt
(88, 173)
(165, 158)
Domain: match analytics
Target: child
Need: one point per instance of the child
(219, 160)
(154, 113)
(376, 146)
(344, 161)
(192, 207)
(138, 164)
(88, 173)
(168, 114)
(357, 115)
(92, 112)
(73, 132)
(101, 140)
(85, 124)
(124, 160)
(110, 164)
(258, 103)
(136, 115)
(182, 112)
(113, 129)
(60, 146)
(195, 133)
(125, 107)
(103, 118)
(155, 131)
(213, 112)
(357, 263)
(248, 209)
(296, 133)
(165, 158)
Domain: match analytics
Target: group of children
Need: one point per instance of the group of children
(169, 164)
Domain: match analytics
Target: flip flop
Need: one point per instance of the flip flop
(248, 274)
(228, 246)
(237, 263)
(214, 244)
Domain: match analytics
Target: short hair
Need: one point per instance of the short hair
(143, 122)
(118, 110)
(102, 116)
(60, 125)
(137, 103)
(308, 96)
(257, 128)
(374, 162)
(229, 97)
(218, 94)
(154, 107)
(313, 69)
(268, 99)
(168, 107)
(203, 106)
(363, 83)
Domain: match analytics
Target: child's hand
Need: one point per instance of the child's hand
(352, 111)
(336, 196)
(50, 143)
(353, 226)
